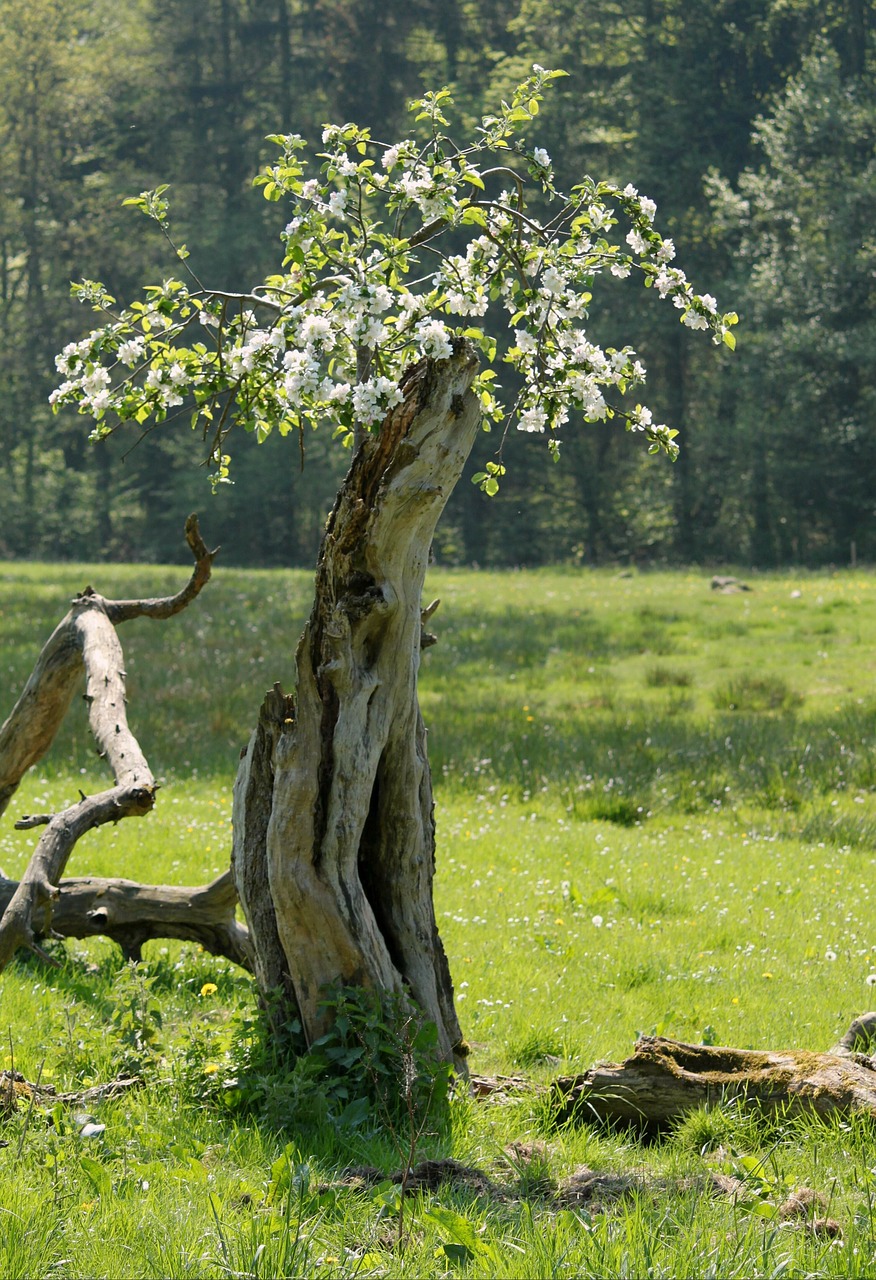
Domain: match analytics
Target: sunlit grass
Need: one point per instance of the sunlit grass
(620, 850)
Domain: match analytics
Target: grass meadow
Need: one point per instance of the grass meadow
(656, 810)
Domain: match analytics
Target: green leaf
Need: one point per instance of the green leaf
(355, 1113)
(765, 1210)
(97, 1175)
(458, 1254)
(755, 1166)
(729, 339)
(454, 1225)
(472, 214)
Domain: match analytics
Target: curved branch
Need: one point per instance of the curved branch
(30, 728)
(166, 606)
(87, 639)
(29, 910)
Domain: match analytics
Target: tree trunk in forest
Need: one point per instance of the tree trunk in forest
(334, 838)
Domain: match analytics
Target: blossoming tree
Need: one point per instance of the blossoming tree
(399, 264)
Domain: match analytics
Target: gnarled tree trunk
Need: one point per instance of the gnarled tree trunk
(334, 839)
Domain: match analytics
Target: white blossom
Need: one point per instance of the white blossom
(60, 393)
(372, 399)
(132, 350)
(339, 393)
(372, 332)
(317, 331)
(67, 361)
(552, 281)
(474, 303)
(540, 156)
(381, 300)
(95, 381)
(415, 183)
(302, 374)
(434, 338)
(337, 203)
(100, 401)
(532, 420)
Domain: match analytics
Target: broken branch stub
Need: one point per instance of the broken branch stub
(85, 640)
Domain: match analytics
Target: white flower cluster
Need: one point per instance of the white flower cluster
(351, 289)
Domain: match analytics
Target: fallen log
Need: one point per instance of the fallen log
(665, 1079)
(131, 914)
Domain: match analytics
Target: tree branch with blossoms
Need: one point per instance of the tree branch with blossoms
(358, 299)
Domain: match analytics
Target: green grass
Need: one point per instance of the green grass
(656, 811)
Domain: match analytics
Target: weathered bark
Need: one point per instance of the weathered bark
(131, 914)
(664, 1079)
(251, 816)
(86, 641)
(334, 844)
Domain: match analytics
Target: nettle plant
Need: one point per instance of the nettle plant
(366, 288)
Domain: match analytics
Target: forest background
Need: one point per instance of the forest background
(750, 122)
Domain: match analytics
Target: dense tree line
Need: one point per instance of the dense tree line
(750, 122)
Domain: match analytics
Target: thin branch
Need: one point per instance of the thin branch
(166, 606)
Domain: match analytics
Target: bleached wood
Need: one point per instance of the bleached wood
(350, 844)
(85, 640)
(131, 914)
